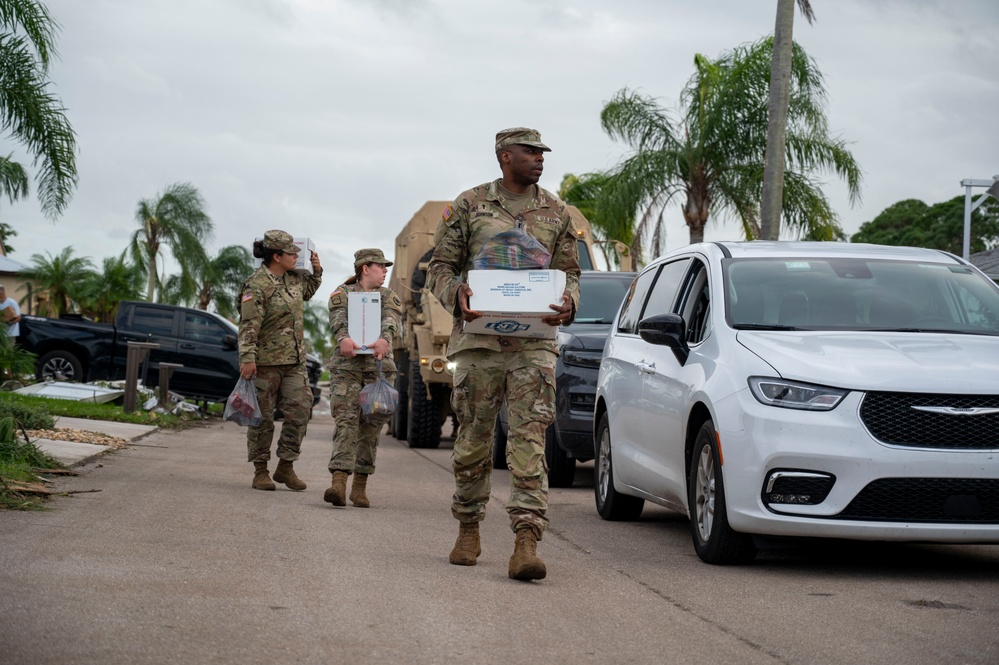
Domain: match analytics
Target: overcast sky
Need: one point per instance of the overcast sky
(338, 119)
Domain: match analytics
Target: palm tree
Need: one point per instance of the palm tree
(176, 218)
(222, 278)
(13, 179)
(6, 232)
(62, 278)
(317, 327)
(609, 225)
(780, 85)
(175, 291)
(713, 157)
(117, 281)
(29, 112)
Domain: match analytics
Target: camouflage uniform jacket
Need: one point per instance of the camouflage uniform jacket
(391, 308)
(474, 218)
(271, 312)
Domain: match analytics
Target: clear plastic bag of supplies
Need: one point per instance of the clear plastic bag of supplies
(515, 249)
(379, 398)
(242, 406)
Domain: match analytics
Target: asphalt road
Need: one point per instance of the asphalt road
(177, 560)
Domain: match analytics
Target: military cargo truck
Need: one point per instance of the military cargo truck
(424, 380)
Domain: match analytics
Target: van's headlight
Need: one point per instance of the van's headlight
(795, 395)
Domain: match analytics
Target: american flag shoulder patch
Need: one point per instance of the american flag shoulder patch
(247, 296)
(448, 211)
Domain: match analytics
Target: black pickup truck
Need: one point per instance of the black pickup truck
(75, 349)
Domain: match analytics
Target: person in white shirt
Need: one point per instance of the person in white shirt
(13, 328)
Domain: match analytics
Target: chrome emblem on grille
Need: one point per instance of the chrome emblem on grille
(956, 411)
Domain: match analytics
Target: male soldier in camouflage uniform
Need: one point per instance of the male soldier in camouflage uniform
(491, 367)
(355, 441)
(271, 349)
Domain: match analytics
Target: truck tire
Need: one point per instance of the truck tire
(59, 366)
(424, 412)
(561, 467)
(400, 419)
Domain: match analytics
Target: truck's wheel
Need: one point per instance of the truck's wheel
(561, 467)
(59, 366)
(400, 419)
(424, 413)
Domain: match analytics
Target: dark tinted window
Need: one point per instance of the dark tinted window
(664, 291)
(600, 298)
(696, 303)
(634, 300)
(202, 329)
(152, 320)
(585, 260)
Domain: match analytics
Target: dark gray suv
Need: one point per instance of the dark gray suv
(580, 345)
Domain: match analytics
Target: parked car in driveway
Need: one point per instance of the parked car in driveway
(72, 348)
(580, 345)
(804, 389)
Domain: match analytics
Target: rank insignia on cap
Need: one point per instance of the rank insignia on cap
(248, 296)
(448, 211)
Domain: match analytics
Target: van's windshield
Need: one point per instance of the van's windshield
(859, 294)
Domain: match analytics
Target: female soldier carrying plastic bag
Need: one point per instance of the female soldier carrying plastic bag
(355, 442)
(272, 352)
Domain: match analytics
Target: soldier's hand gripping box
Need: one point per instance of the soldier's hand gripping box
(364, 319)
(512, 302)
(304, 261)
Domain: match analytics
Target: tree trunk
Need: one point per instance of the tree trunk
(780, 83)
(695, 214)
(151, 284)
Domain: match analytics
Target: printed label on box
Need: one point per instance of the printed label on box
(512, 302)
(364, 319)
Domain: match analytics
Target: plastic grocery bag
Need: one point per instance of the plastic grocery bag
(379, 398)
(242, 407)
(515, 249)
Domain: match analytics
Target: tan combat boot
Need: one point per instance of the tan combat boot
(467, 547)
(285, 473)
(525, 564)
(357, 495)
(337, 492)
(261, 480)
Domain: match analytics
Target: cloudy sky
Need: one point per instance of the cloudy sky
(338, 119)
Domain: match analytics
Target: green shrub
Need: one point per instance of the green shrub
(19, 462)
(26, 415)
(14, 362)
(18, 452)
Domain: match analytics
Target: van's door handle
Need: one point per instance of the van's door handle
(646, 368)
(187, 346)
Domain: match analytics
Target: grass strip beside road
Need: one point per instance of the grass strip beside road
(89, 410)
(22, 465)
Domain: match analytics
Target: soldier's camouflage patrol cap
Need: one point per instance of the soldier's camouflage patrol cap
(369, 255)
(280, 240)
(521, 136)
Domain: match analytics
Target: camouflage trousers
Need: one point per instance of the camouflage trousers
(481, 380)
(287, 387)
(355, 442)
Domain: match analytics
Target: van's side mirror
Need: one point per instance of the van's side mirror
(666, 330)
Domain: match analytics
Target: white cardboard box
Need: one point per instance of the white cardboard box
(364, 319)
(512, 302)
(304, 262)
